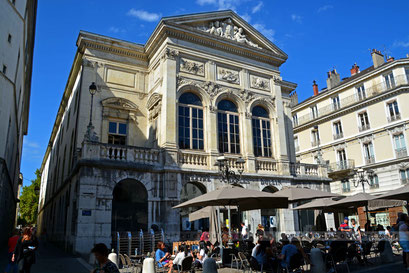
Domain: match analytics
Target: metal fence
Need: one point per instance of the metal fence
(136, 243)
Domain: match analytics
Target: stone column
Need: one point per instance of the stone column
(248, 150)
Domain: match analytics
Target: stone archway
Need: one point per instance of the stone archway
(189, 191)
(269, 217)
(129, 206)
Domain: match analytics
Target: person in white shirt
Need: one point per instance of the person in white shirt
(244, 231)
(202, 255)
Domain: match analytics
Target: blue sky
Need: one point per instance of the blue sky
(316, 35)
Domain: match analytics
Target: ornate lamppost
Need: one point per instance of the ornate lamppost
(90, 134)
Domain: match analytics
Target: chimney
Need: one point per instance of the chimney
(354, 69)
(333, 79)
(315, 87)
(390, 59)
(377, 58)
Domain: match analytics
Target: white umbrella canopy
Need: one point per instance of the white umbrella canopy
(244, 199)
(357, 200)
(319, 204)
(295, 194)
(205, 212)
(401, 193)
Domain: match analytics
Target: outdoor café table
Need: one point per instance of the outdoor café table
(137, 258)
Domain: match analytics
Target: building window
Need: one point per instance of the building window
(338, 130)
(389, 80)
(336, 103)
(404, 176)
(369, 153)
(363, 122)
(374, 182)
(9, 38)
(315, 137)
(346, 186)
(407, 73)
(400, 145)
(295, 120)
(228, 127)
(261, 132)
(4, 69)
(296, 144)
(342, 159)
(314, 111)
(361, 92)
(117, 133)
(190, 122)
(393, 111)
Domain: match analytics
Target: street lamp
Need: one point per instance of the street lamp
(361, 176)
(90, 134)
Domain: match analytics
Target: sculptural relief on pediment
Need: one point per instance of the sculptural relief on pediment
(192, 67)
(259, 83)
(228, 75)
(226, 29)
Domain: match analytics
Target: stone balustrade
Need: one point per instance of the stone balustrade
(192, 158)
(266, 165)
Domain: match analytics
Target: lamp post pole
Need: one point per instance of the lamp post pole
(361, 177)
(90, 134)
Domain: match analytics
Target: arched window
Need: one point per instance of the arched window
(228, 127)
(261, 132)
(190, 122)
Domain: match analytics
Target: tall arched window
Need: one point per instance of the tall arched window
(228, 127)
(190, 122)
(261, 132)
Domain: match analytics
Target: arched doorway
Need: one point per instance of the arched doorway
(189, 191)
(269, 217)
(129, 206)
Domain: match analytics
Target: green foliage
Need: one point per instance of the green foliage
(29, 201)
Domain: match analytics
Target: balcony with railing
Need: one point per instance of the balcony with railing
(374, 185)
(338, 136)
(363, 128)
(352, 99)
(369, 160)
(128, 153)
(404, 181)
(192, 159)
(315, 143)
(394, 117)
(340, 169)
(401, 152)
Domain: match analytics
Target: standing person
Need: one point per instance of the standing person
(12, 245)
(356, 229)
(205, 235)
(344, 226)
(101, 253)
(24, 253)
(404, 239)
(244, 231)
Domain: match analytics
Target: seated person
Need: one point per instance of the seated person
(177, 262)
(201, 255)
(287, 252)
(161, 257)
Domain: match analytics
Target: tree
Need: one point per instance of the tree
(29, 200)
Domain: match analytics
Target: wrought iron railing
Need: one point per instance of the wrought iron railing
(341, 165)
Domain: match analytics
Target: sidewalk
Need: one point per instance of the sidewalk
(51, 259)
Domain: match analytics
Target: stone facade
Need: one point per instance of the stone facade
(138, 107)
(17, 29)
(362, 122)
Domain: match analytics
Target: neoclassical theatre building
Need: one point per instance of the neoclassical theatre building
(203, 86)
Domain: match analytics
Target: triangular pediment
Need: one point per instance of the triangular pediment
(226, 26)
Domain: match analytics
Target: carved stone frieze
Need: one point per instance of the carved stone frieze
(171, 54)
(259, 83)
(228, 75)
(192, 67)
(228, 30)
(210, 87)
(246, 95)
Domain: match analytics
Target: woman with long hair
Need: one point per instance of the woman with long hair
(24, 254)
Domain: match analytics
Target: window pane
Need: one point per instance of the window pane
(122, 128)
(227, 105)
(259, 111)
(112, 127)
(190, 98)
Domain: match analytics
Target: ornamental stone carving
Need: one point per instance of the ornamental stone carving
(210, 87)
(171, 54)
(228, 75)
(259, 83)
(246, 95)
(366, 139)
(192, 67)
(228, 30)
(397, 130)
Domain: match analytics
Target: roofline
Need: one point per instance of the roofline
(343, 85)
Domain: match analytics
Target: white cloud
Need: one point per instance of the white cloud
(401, 44)
(257, 7)
(205, 2)
(325, 8)
(220, 4)
(268, 32)
(31, 144)
(144, 15)
(296, 18)
(116, 30)
(246, 17)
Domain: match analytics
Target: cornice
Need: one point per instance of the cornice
(351, 108)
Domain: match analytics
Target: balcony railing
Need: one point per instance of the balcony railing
(342, 165)
(129, 153)
(352, 99)
(401, 152)
(404, 181)
(394, 118)
(338, 136)
(192, 158)
(346, 190)
(315, 143)
(370, 159)
(374, 186)
(266, 164)
(364, 127)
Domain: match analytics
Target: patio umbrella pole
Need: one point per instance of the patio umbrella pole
(230, 242)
